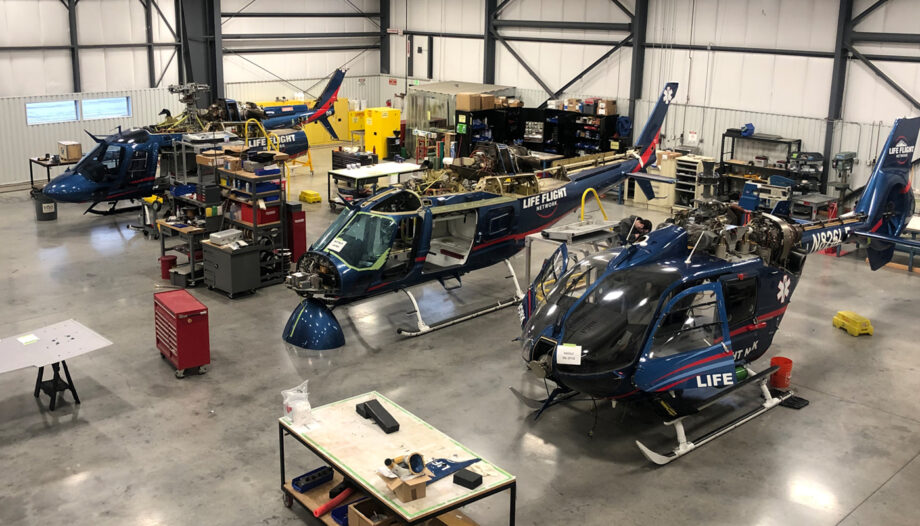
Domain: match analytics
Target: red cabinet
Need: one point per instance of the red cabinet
(182, 331)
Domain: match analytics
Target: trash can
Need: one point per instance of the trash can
(45, 207)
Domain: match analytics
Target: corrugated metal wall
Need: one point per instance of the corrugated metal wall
(353, 87)
(21, 141)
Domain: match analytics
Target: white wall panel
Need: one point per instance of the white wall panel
(35, 72)
(110, 21)
(18, 25)
(113, 69)
(869, 99)
(448, 16)
(21, 141)
(252, 67)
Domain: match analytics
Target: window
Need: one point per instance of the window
(693, 323)
(365, 242)
(48, 112)
(108, 108)
(740, 300)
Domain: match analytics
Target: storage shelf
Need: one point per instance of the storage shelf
(249, 225)
(249, 202)
(316, 497)
(257, 195)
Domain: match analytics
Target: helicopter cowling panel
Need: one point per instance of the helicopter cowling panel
(313, 326)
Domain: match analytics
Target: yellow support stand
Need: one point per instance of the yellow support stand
(853, 323)
(596, 198)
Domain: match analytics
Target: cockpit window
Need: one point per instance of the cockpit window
(691, 324)
(333, 229)
(364, 242)
(102, 163)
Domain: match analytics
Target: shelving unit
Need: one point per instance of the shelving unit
(594, 132)
(244, 189)
(735, 169)
(689, 185)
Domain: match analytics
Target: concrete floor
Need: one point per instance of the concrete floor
(146, 448)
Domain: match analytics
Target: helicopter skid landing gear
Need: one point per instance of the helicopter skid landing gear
(112, 210)
(685, 446)
(424, 328)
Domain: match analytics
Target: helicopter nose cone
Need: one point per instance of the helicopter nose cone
(313, 326)
(69, 187)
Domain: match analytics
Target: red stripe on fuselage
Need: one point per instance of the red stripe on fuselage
(698, 362)
(516, 236)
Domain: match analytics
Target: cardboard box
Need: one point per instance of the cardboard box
(501, 102)
(409, 489)
(572, 105)
(486, 101)
(515, 103)
(70, 150)
(370, 513)
(452, 518)
(555, 104)
(209, 160)
(468, 101)
(606, 107)
(232, 164)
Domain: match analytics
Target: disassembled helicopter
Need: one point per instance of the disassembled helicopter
(401, 237)
(687, 308)
(123, 166)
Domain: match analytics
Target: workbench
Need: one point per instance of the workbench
(812, 202)
(355, 448)
(47, 165)
(50, 345)
(191, 237)
(358, 178)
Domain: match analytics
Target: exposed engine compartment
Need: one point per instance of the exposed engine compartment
(720, 229)
(316, 275)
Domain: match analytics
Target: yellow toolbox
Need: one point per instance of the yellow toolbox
(853, 323)
(380, 123)
(309, 196)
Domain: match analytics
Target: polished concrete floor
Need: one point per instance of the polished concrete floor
(146, 448)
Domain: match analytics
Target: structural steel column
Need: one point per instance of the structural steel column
(639, 24)
(838, 82)
(74, 45)
(148, 20)
(488, 68)
(385, 37)
(202, 44)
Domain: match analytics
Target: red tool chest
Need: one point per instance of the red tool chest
(182, 331)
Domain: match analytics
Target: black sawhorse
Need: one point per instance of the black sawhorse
(56, 384)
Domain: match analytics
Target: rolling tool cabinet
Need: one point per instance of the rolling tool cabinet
(182, 331)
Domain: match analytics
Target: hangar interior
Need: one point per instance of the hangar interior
(329, 232)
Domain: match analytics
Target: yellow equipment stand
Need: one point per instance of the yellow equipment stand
(853, 323)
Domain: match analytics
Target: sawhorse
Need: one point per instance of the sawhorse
(56, 384)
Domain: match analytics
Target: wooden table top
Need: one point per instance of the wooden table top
(358, 447)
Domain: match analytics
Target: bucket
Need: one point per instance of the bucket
(45, 207)
(780, 379)
(166, 263)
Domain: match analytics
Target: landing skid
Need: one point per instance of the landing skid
(557, 396)
(685, 446)
(424, 328)
(112, 210)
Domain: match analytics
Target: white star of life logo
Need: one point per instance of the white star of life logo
(667, 95)
(785, 286)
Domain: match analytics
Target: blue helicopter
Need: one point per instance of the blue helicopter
(123, 166)
(676, 318)
(398, 238)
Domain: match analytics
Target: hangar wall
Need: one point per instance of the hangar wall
(120, 22)
(21, 141)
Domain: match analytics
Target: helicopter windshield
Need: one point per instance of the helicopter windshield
(333, 229)
(102, 163)
(364, 242)
(610, 322)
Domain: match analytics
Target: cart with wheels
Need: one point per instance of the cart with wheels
(182, 336)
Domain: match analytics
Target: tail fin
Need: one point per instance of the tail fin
(328, 97)
(887, 202)
(647, 141)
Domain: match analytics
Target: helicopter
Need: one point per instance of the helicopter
(224, 110)
(123, 166)
(398, 238)
(676, 318)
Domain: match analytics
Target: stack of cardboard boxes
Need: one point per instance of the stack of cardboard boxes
(593, 106)
(485, 101)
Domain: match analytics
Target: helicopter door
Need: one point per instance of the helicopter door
(137, 168)
(553, 267)
(690, 346)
